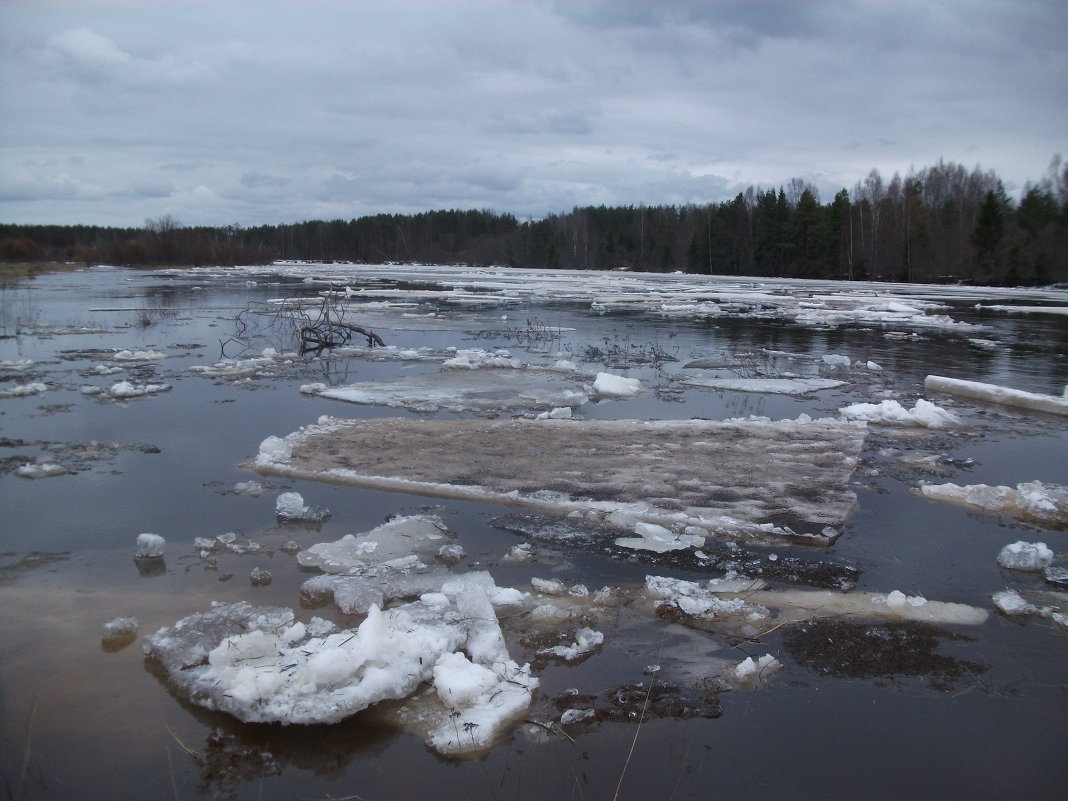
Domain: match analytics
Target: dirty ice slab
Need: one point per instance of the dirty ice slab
(750, 478)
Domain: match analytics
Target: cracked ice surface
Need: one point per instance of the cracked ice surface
(750, 478)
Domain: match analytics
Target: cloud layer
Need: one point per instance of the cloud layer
(269, 112)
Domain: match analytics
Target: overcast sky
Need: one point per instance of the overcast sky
(249, 112)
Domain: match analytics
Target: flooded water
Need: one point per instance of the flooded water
(860, 708)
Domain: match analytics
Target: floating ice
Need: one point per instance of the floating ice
(1010, 602)
(1022, 555)
(261, 665)
(608, 385)
(836, 360)
(586, 641)
(778, 386)
(120, 627)
(126, 389)
(702, 602)
(138, 355)
(1051, 605)
(809, 604)
(118, 633)
(149, 546)
(557, 413)
(105, 369)
(17, 366)
(290, 506)
(728, 479)
(753, 673)
(259, 577)
(399, 538)
(890, 412)
(1046, 504)
(491, 390)
(267, 362)
(475, 358)
(22, 390)
(40, 470)
(652, 537)
(992, 393)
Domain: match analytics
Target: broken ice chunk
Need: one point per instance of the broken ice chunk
(1022, 555)
(693, 600)
(652, 537)
(416, 535)
(1010, 602)
(1043, 503)
(41, 470)
(118, 633)
(1058, 576)
(992, 393)
(586, 641)
(149, 546)
(451, 554)
(615, 386)
(890, 412)
(290, 506)
(753, 673)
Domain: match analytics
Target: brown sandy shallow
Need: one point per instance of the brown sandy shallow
(749, 478)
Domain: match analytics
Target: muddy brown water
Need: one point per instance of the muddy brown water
(880, 712)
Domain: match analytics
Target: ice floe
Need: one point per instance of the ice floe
(923, 414)
(149, 546)
(779, 386)
(41, 470)
(754, 672)
(138, 355)
(262, 665)
(124, 390)
(894, 605)
(993, 393)
(22, 390)
(267, 363)
(586, 642)
(118, 633)
(608, 385)
(721, 479)
(16, 365)
(1022, 555)
(492, 391)
(290, 506)
(1051, 605)
(1035, 501)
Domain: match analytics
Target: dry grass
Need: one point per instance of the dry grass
(13, 271)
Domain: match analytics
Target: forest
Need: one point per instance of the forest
(944, 223)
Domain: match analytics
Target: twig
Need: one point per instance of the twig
(29, 739)
(637, 731)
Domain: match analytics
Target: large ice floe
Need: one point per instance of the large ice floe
(262, 665)
(752, 478)
(495, 390)
(993, 393)
(1033, 501)
(780, 386)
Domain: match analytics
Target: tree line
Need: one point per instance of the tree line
(942, 223)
